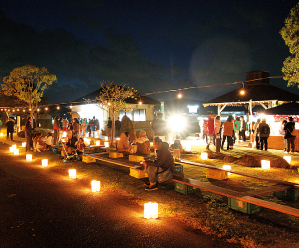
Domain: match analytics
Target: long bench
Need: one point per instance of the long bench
(248, 196)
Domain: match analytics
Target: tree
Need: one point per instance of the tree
(290, 34)
(28, 83)
(112, 99)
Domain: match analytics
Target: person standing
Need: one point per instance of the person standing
(237, 124)
(65, 124)
(242, 128)
(117, 127)
(256, 133)
(289, 127)
(210, 130)
(109, 126)
(228, 129)
(83, 126)
(10, 128)
(264, 132)
(56, 128)
(28, 134)
(76, 127)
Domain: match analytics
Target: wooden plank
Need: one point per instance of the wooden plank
(271, 205)
(268, 190)
(113, 161)
(210, 187)
(241, 173)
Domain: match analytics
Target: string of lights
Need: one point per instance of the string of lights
(70, 104)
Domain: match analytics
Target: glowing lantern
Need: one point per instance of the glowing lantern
(188, 147)
(287, 158)
(106, 144)
(72, 173)
(11, 149)
(16, 152)
(227, 167)
(95, 186)
(265, 164)
(118, 138)
(44, 162)
(204, 156)
(1, 134)
(64, 135)
(28, 157)
(14, 147)
(24, 144)
(98, 143)
(106, 138)
(151, 210)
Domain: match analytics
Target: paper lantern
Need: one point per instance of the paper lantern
(16, 152)
(98, 143)
(227, 167)
(106, 144)
(23, 144)
(14, 147)
(1, 134)
(44, 162)
(29, 157)
(288, 158)
(95, 186)
(188, 147)
(204, 156)
(11, 149)
(106, 138)
(72, 173)
(151, 210)
(265, 164)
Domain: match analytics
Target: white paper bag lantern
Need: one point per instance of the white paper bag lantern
(265, 164)
(11, 149)
(14, 147)
(98, 143)
(227, 167)
(29, 157)
(204, 156)
(288, 158)
(106, 144)
(16, 152)
(72, 173)
(188, 147)
(95, 186)
(151, 210)
(23, 144)
(106, 138)
(1, 134)
(44, 162)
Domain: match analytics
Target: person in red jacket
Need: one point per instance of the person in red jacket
(210, 130)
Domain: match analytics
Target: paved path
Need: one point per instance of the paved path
(43, 208)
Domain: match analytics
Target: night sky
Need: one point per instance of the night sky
(149, 45)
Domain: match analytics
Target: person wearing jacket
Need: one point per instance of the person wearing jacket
(264, 131)
(28, 134)
(228, 129)
(289, 127)
(162, 168)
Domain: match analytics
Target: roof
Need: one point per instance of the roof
(255, 93)
(93, 95)
(291, 108)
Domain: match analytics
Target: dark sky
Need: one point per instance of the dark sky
(149, 45)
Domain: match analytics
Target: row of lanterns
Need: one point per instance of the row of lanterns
(265, 164)
(150, 209)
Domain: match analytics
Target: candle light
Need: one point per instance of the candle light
(23, 144)
(106, 144)
(1, 134)
(14, 147)
(28, 157)
(72, 173)
(288, 158)
(16, 152)
(151, 210)
(265, 164)
(11, 149)
(227, 167)
(204, 156)
(95, 186)
(98, 143)
(44, 162)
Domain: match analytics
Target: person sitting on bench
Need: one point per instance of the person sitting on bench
(162, 168)
(70, 146)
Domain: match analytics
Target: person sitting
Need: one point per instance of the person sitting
(39, 144)
(48, 141)
(143, 143)
(162, 168)
(70, 146)
(80, 146)
(177, 147)
(123, 143)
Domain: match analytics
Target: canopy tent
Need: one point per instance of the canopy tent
(291, 108)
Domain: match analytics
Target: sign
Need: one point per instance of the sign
(280, 118)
